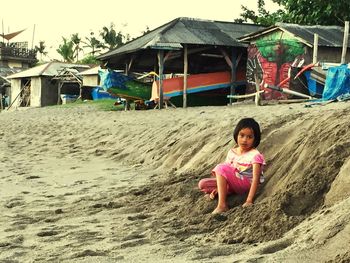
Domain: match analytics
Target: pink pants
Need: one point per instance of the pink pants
(234, 184)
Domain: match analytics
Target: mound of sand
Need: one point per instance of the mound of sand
(81, 185)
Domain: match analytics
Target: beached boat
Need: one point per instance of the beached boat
(202, 89)
(124, 86)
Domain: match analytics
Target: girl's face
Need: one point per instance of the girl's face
(245, 139)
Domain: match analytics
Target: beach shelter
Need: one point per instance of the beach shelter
(186, 46)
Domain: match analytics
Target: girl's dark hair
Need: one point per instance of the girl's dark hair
(248, 123)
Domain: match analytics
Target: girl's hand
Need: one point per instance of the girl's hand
(246, 204)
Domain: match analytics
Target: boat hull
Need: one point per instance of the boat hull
(202, 89)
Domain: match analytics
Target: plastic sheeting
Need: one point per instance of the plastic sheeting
(337, 82)
(111, 78)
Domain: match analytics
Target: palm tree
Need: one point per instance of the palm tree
(41, 49)
(76, 41)
(93, 43)
(111, 37)
(66, 50)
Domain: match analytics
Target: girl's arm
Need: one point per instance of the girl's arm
(255, 184)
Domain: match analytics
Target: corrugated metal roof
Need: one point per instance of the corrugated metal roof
(187, 31)
(47, 69)
(328, 36)
(91, 71)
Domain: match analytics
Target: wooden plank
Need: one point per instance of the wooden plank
(293, 101)
(319, 75)
(178, 54)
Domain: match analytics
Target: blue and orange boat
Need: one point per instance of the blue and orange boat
(202, 89)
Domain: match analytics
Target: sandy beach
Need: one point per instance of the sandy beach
(83, 185)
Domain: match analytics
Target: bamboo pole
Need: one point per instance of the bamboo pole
(345, 42)
(185, 76)
(245, 96)
(288, 91)
(315, 50)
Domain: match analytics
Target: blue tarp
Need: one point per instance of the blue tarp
(337, 82)
(111, 78)
(98, 93)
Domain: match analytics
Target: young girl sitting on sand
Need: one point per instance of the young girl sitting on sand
(242, 170)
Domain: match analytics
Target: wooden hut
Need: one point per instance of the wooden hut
(90, 80)
(42, 85)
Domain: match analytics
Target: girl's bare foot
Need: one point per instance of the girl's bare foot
(213, 194)
(220, 210)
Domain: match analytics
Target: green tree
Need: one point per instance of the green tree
(93, 43)
(304, 12)
(76, 41)
(66, 50)
(41, 49)
(111, 38)
(89, 59)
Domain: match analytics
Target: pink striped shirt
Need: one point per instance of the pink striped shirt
(244, 163)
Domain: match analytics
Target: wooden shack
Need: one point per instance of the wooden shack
(42, 85)
(280, 50)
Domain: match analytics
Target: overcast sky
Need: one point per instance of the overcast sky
(56, 19)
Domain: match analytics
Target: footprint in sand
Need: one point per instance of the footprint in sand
(32, 177)
(138, 217)
(14, 202)
(134, 243)
(89, 253)
(47, 233)
(270, 249)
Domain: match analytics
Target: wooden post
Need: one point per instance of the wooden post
(257, 87)
(161, 64)
(315, 50)
(60, 84)
(185, 77)
(345, 42)
(233, 73)
(126, 69)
